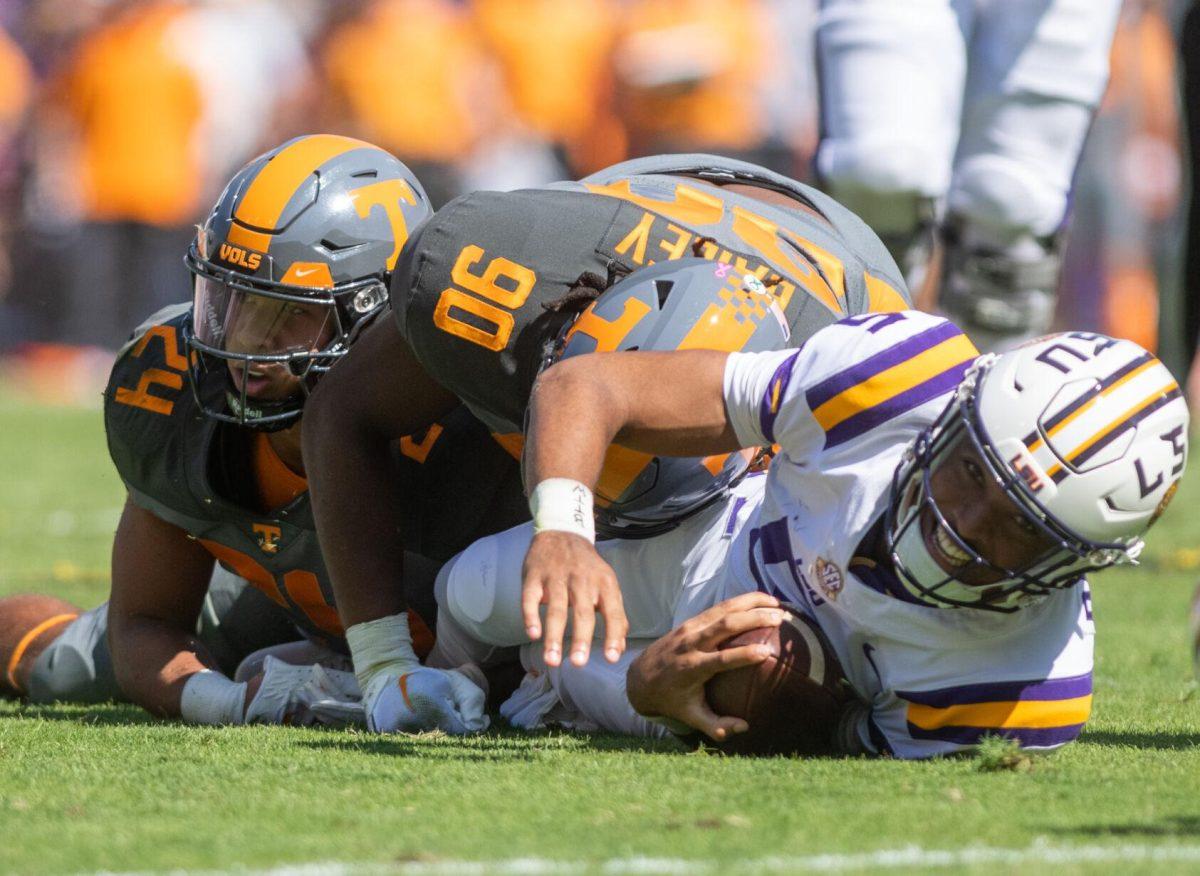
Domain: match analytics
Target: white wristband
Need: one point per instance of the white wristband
(211, 698)
(563, 505)
(381, 645)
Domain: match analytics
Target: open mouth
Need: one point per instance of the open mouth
(945, 548)
(949, 547)
(254, 379)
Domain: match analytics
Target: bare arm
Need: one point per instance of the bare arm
(159, 578)
(376, 394)
(669, 403)
(663, 403)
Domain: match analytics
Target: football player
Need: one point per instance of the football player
(481, 296)
(935, 511)
(289, 268)
(964, 119)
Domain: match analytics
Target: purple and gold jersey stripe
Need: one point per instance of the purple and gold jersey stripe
(1114, 429)
(1035, 713)
(1084, 401)
(891, 382)
(768, 410)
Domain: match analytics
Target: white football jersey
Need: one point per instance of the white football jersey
(842, 409)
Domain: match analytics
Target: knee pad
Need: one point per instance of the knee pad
(999, 200)
(481, 588)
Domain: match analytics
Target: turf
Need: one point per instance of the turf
(105, 788)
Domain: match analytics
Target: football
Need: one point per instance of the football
(792, 699)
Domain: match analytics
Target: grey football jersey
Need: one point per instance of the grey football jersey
(454, 482)
(475, 288)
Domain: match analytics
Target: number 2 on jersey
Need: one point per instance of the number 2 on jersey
(500, 289)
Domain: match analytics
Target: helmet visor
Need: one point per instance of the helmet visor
(260, 325)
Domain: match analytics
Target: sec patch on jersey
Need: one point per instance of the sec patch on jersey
(792, 699)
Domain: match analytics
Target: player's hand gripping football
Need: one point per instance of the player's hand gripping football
(564, 572)
(667, 680)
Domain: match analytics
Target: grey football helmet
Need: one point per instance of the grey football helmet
(290, 266)
(686, 304)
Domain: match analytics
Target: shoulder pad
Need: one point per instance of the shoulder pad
(151, 367)
(147, 393)
(173, 314)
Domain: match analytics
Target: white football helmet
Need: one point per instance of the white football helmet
(1086, 434)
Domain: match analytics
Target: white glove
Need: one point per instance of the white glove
(399, 694)
(424, 699)
(305, 695)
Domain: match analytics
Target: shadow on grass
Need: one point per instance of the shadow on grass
(499, 744)
(503, 743)
(1157, 741)
(107, 714)
(426, 748)
(1175, 825)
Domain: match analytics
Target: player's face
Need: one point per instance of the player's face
(240, 322)
(983, 516)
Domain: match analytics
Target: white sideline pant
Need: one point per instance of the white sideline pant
(664, 580)
(985, 103)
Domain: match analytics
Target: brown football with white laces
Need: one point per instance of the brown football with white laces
(792, 699)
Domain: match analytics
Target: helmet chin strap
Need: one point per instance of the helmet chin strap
(265, 416)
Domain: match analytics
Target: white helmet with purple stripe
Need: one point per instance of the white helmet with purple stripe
(1086, 435)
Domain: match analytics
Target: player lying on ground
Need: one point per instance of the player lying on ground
(217, 473)
(934, 512)
(483, 293)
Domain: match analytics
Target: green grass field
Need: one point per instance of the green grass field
(106, 789)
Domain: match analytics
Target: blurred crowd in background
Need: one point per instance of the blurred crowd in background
(121, 119)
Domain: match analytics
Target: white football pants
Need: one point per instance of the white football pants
(984, 103)
(664, 580)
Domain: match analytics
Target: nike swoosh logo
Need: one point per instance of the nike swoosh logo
(402, 681)
(300, 273)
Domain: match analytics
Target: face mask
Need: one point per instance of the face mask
(920, 565)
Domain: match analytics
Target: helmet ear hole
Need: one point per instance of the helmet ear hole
(366, 300)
